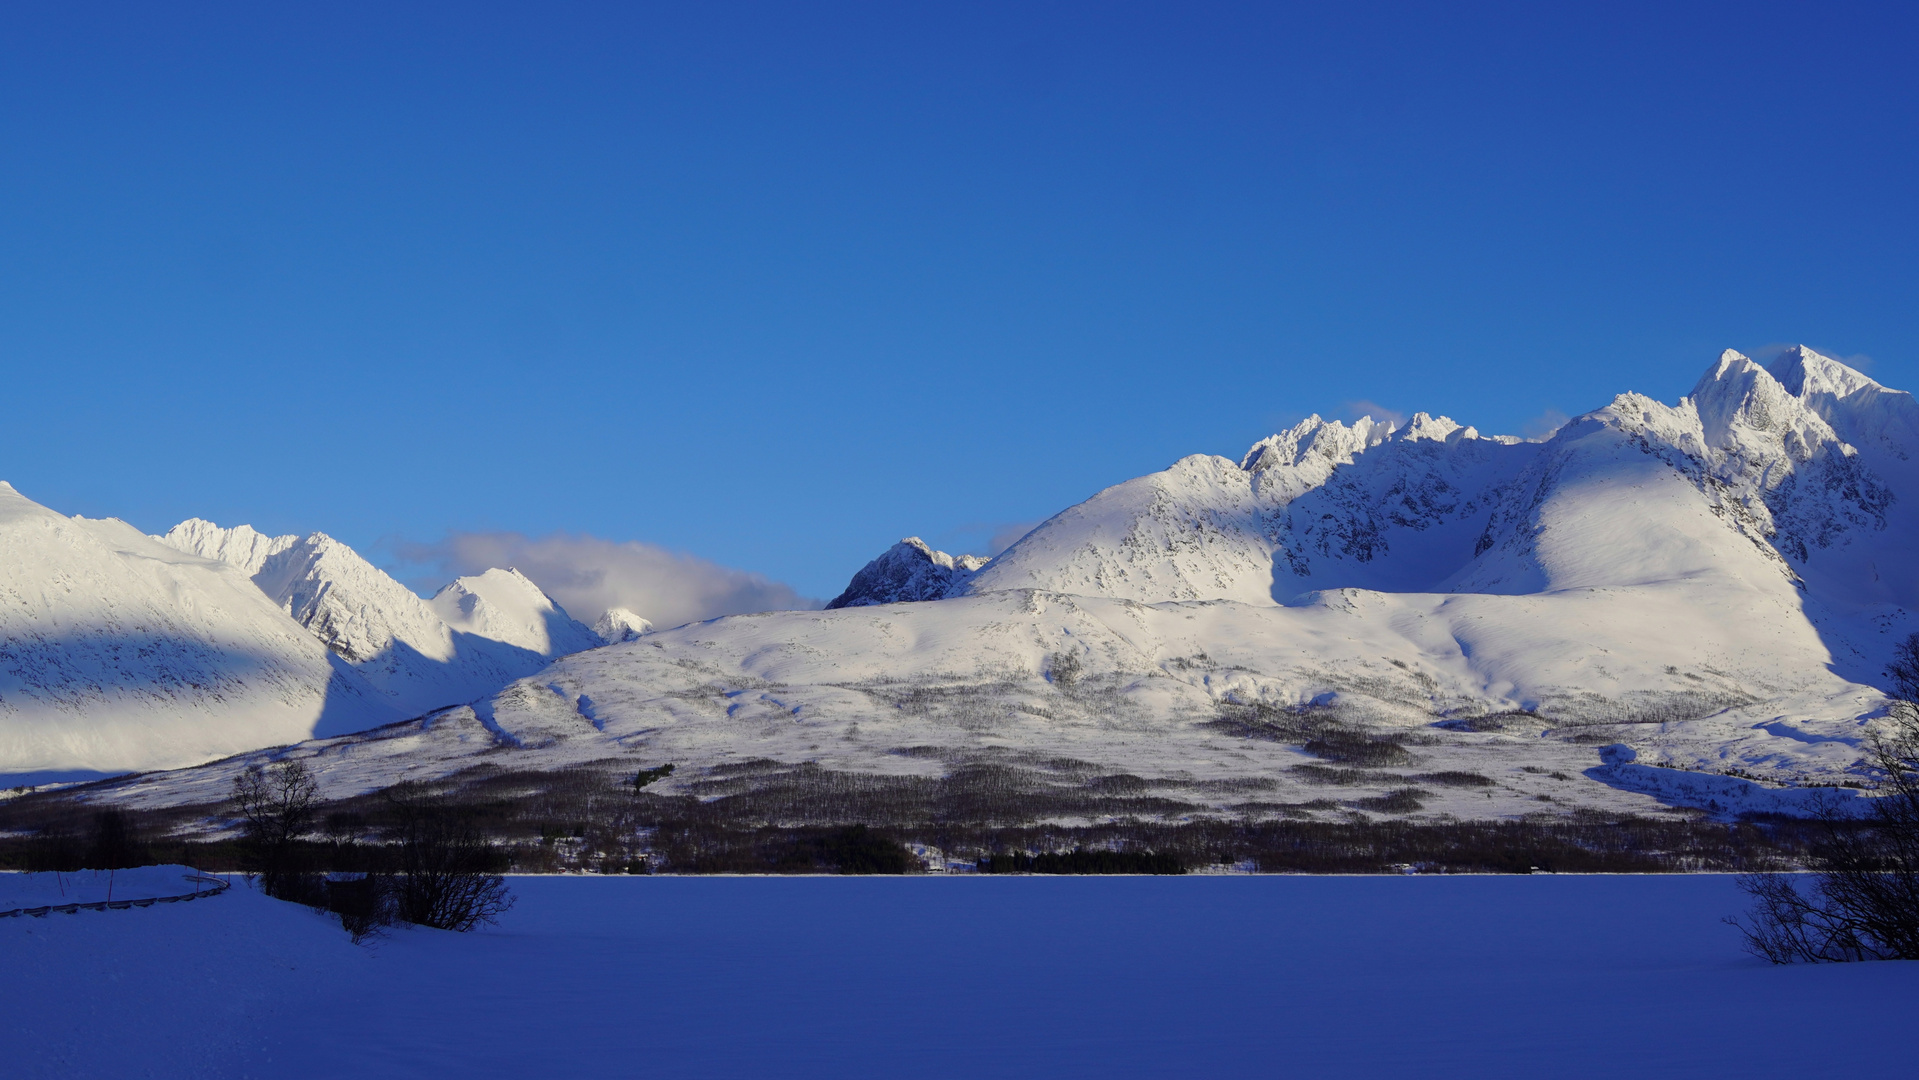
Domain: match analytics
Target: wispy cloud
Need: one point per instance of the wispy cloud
(1007, 535)
(1543, 425)
(587, 575)
(1362, 407)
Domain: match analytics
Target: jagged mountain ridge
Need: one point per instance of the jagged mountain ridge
(1704, 585)
(1326, 505)
(474, 636)
(117, 652)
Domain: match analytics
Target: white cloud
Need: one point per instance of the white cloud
(587, 575)
(1541, 427)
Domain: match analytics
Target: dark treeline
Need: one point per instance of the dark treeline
(1081, 861)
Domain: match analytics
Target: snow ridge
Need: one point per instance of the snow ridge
(501, 626)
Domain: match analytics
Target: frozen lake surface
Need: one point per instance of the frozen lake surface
(970, 976)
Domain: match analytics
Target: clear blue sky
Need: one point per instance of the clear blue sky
(777, 285)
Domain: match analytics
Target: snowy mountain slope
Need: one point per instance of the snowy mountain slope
(119, 652)
(909, 570)
(504, 605)
(927, 689)
(400, 643)
(1417, 508)
(1701, 586)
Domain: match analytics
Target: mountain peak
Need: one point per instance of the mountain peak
(505, 605)
(621, 624)
(909, 570)
(1329, 440)
(1804, 372)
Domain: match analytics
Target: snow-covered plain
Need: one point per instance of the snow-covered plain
(930, 977)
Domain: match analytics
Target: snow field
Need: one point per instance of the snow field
(962, 977)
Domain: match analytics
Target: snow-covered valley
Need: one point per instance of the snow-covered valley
(1658, 604)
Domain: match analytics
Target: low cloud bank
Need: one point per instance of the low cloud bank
(587, 575)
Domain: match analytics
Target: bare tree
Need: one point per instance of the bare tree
(278, 802)
(1864, 903)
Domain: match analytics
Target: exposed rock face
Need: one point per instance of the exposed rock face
(909, 570)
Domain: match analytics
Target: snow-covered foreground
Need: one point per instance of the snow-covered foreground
(757, 977)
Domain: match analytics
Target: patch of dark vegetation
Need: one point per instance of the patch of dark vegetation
(1351, 748)
(1081, 861)
(646, 777)
(1500, 721)
(978, 793)
(1316, 729)
(1327, 774)
(1456, 779)
(1119, 784)
(1402, 801)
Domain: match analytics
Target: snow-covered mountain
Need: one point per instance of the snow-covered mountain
(505, 606)
(119, 652)
(476, 635)
(1707, 591)
(620, 624)
(909, 570)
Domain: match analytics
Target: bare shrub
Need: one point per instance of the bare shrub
(448, 873)
(1864, 903)
(364, 903)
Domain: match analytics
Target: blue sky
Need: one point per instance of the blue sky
(777, 285)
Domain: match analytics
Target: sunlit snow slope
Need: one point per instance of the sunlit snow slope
(475, 636)
(119, 652)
